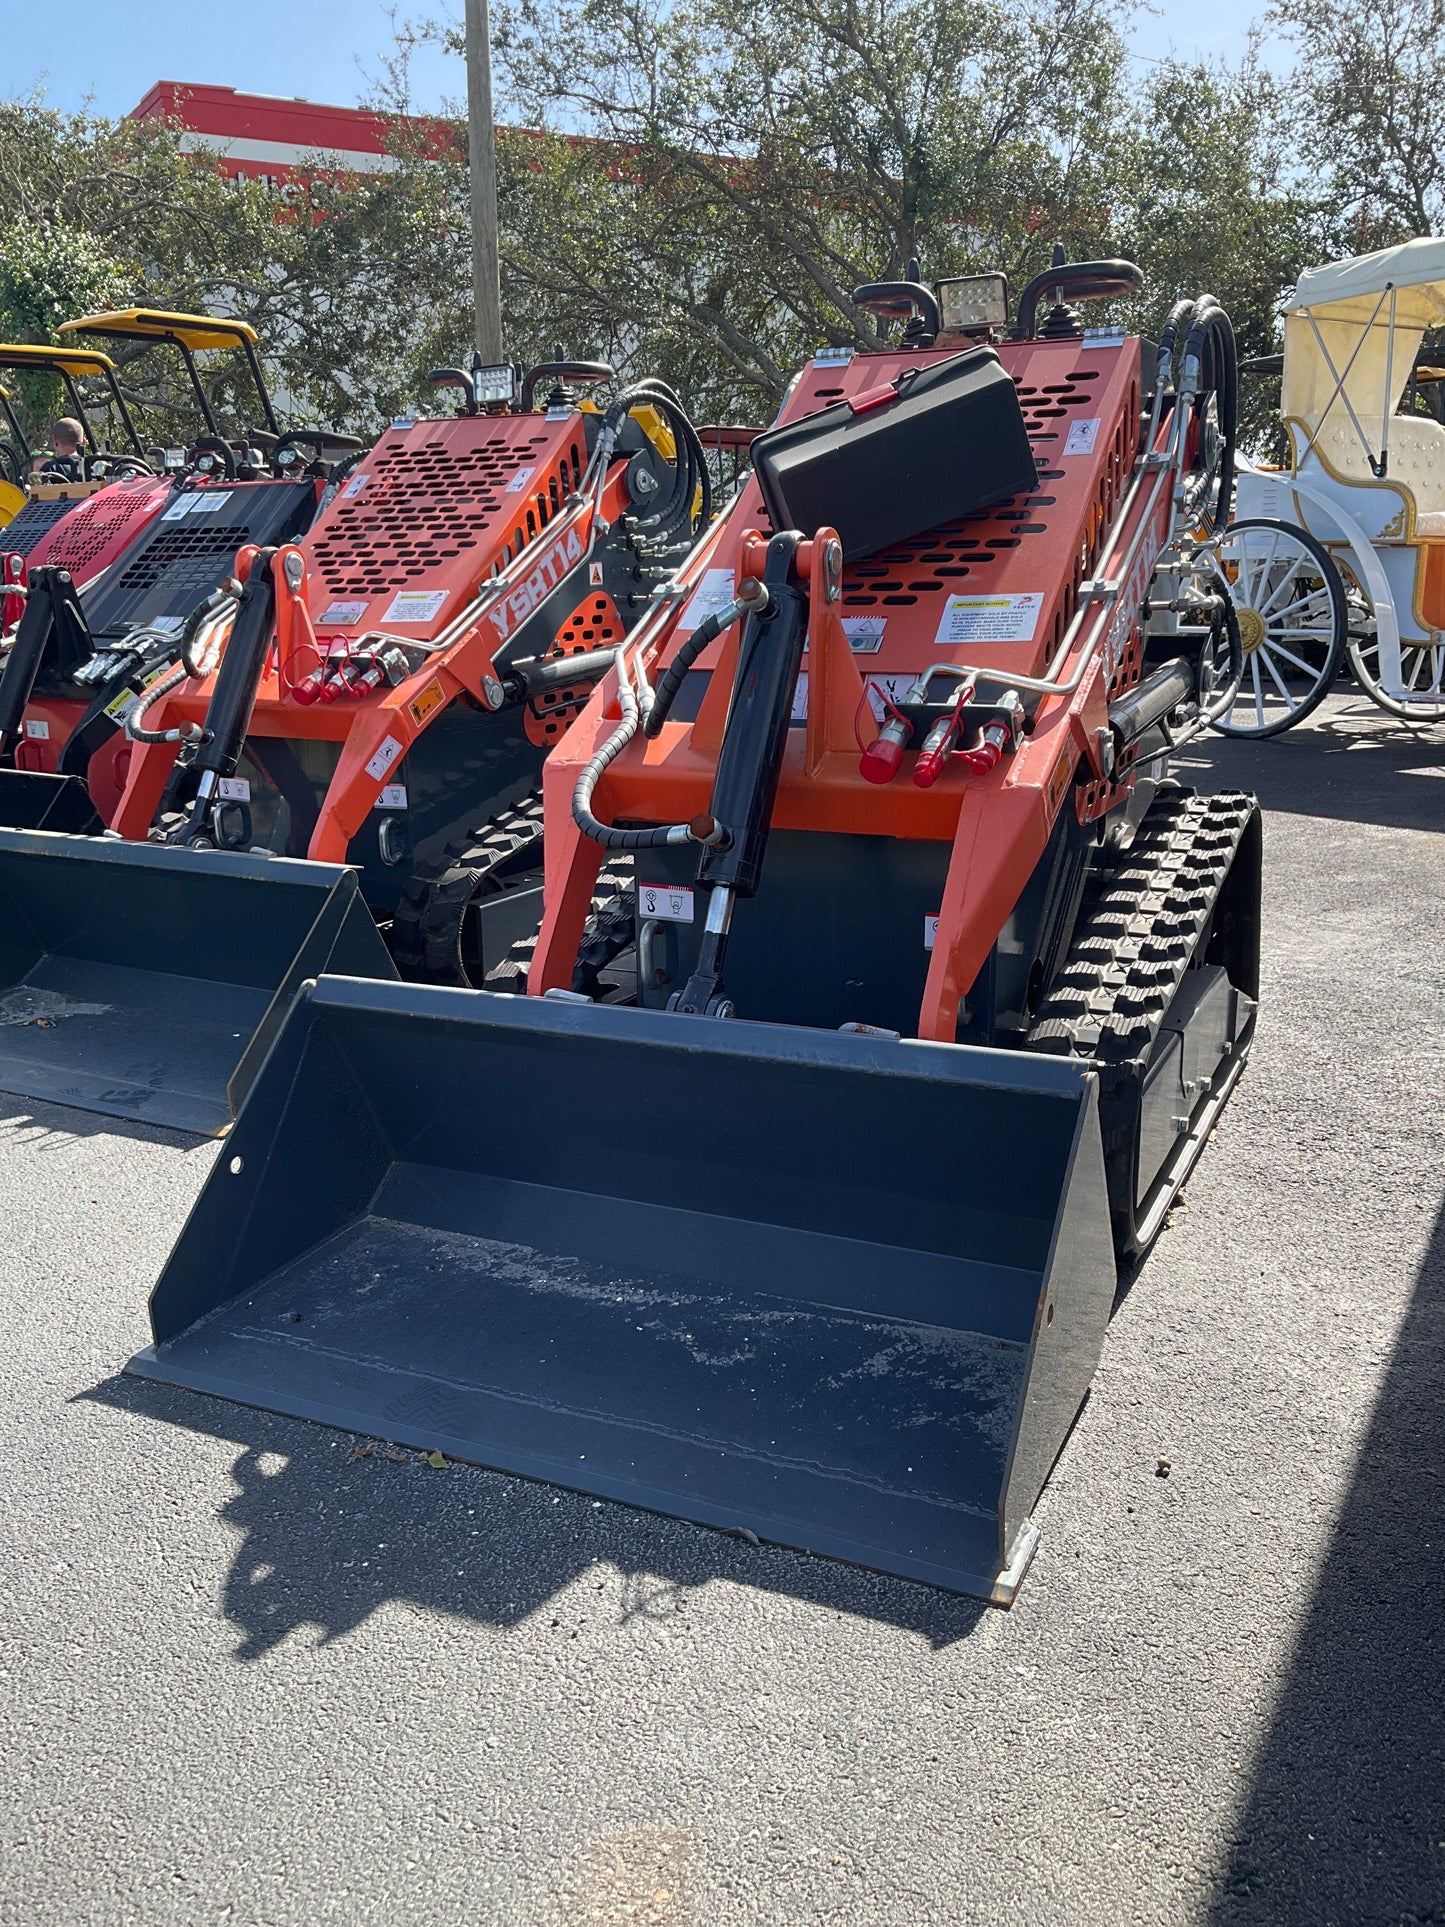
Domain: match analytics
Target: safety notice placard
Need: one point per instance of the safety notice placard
(989, 618)
(416, 605)
(714, 592)
(1082, 436)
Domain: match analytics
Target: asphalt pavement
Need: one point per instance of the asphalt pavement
(255, 1671)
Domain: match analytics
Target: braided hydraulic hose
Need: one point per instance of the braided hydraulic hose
(218, 604)
(591, 775)
(650, 710)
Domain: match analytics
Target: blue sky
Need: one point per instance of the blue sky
(331, 50)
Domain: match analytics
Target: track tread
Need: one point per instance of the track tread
(610, 928)
(427, 925)
(1142, 923)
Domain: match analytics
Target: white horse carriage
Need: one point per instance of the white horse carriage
(1343, 553)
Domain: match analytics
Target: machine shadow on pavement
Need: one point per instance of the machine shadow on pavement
(1346, 762)
(350, 1524)
(38, 1121)
(1345, 1817)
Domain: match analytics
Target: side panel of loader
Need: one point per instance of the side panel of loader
(132, 976)
(845, 1292)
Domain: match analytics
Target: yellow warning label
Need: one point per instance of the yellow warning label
(427, 703)
(1059, 782)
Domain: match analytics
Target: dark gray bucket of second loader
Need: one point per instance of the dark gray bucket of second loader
(844, 1292)
(147, 982)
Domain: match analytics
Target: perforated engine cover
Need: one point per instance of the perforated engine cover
(431, 511)
(97, 531)
(177, 562)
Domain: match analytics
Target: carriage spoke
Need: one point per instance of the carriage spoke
(1274, 676)
(1267, 608)
(1276, 648)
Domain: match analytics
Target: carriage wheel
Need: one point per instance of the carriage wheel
(1293, 624)
(1422, 667)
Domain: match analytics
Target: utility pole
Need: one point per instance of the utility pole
(482, 147)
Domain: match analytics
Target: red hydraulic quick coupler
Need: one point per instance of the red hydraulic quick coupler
(987, 750)
(879, 762)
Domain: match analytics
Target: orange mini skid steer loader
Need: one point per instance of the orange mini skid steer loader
(342, 768)
(793, 1197)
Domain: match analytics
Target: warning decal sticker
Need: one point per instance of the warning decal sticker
(989, 618)
(1082, 436)
(865, 633)
(427, 703)
(382, 761)
(415, 605)
(670, 902)
(336, 613)
(714, 592)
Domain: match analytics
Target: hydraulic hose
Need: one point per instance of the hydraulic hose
(587, 781)
(751, 601)
(220, 602)
(187, 733)
(690, 471)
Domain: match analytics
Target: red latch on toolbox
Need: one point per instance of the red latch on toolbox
(872, 398)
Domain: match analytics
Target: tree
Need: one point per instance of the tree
(1367, 115)
(744, 169)
(96, 212)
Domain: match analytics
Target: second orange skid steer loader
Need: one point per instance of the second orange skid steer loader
(355, 783)
(792, 1198)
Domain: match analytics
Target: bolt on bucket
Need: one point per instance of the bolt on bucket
(843, 1292)
(147, 982)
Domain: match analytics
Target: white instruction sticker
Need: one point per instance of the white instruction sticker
(887, 689)
(714, 592)
(893, 688)
(233, 789)
(181, 506)
(392, 797)
(207, 501)
(930, 932)
(166, 625)
(672, 903)
(354, 486)
(520, 480)
(989, 618)
(865, 633)
(337, 614)
(1082, 436)
(382, 761)
(36, 730)
(416, 605)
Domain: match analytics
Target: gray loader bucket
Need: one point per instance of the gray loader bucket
(147, 982)
(32, 800)
(843, 1292)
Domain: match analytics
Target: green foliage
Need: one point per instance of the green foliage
(693, 189)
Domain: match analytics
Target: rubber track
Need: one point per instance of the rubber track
(426, 929)
(1142, 924)
(610, 928)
